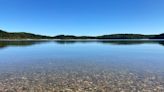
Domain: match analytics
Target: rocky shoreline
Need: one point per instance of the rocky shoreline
(81, 81)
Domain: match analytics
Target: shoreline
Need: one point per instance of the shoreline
(81, 39)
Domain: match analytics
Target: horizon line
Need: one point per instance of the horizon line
(80, 35)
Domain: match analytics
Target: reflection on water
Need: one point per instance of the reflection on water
(112, 42)
(82, 66)
(4, 44)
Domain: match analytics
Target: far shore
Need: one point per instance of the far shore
(81, 39)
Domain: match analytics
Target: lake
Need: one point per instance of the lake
(82, 66)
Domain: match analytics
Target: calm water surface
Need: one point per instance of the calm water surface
(82, 66)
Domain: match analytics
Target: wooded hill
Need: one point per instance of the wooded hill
(23, 35)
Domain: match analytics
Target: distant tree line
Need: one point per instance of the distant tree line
(23, 35)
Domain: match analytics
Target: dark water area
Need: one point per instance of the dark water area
(82, 66)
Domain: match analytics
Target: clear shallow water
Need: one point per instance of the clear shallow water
(82, 66)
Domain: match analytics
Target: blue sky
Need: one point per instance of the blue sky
(82, 17)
